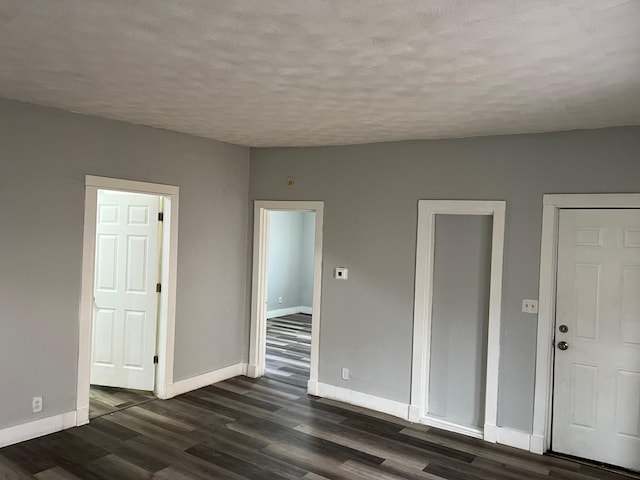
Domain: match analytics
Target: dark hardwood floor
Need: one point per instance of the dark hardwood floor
(103, 400)
(265, 429)
(289, 349)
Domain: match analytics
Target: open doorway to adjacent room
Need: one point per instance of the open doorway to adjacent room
(290, 296)
(128, 295)
(286, 292)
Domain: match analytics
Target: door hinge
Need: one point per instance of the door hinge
(160, 216)
(155, 359)
(158, 287)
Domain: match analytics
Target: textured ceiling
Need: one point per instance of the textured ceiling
(291, 72)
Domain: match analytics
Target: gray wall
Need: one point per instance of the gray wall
(308, 249)
(44, 157)
(291, 240)
(371, 193)
(460, 318)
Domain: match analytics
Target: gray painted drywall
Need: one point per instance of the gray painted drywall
(285, 255)
(460, 318)
(290, 254)
(371, 194)
(44, 158)
(308, 248)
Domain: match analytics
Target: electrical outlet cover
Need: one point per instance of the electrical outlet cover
(529, 305)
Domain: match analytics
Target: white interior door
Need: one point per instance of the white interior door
(596, 398)
(126, 272)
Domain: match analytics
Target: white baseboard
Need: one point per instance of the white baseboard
(37, 428)
(82, 416)
(379, 404)
(253, 371)
(280, 312)
(475, 432)
(490, 433)
(312, 388)
(414, 414)
(514, 438)
(199, 381)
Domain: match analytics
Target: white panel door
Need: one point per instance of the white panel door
(596, 397)
(126, 272)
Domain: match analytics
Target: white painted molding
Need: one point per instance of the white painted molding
(490, 433)
(442, 424)
(36, 428)
(352, 397)
(280, 312)
(257, 340)
(312, 388)
(542, 405)
(513, 438)
(414, 414)
(82, 416)
(253, 371)
(425, 248)
(129, 185)
(537, 444)
(206, 379)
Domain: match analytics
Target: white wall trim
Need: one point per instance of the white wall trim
(442, 424)
(352, 397)
(504, 436)
(209, 378)
(427, 210)
(36, 428)
(257, 341)
(166, 324)
(513, 438)
(541, 436)
(280, 312)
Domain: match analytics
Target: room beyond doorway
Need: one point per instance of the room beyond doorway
(290, 296)
(289, 349)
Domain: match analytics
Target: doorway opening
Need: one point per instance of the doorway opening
(127, 316)
(128, 266)
(587, 394)
(285, 313)
(290, 296)
(456, 339)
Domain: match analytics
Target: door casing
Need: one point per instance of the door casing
(545, 353)
(425, 247)
(257, 346)
(166, 318)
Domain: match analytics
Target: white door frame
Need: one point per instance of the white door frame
(542, 406)
(167, 313)
(257, 347)
(419, 408)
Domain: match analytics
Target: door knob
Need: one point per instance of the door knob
(563, 345)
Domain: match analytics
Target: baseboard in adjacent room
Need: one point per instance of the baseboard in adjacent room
(281, 312)
(199, 381)
(36, 428)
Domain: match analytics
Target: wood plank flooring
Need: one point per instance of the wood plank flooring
(289, 349)
(103, 400)
(264, 429)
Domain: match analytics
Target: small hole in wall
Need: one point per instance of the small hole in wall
(289, 182)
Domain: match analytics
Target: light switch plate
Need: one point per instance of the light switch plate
(529, 306)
